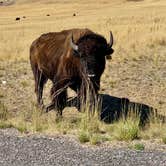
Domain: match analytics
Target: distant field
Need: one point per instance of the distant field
(137, 70)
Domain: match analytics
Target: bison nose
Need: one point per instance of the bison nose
(91, 75)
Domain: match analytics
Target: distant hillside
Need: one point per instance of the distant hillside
(10, 2)
(48, 1)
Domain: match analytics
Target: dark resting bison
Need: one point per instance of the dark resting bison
(71, 58)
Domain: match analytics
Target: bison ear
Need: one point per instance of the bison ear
(108, 54)
(109, 51)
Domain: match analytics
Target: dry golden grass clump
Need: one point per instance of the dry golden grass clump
(136, 71)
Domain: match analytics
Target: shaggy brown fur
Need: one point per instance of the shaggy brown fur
(52, 57)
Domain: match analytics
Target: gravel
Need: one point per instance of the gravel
(40, 150)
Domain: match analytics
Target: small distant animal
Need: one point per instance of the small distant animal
(24, 17)
(48, 15)
(74, 14)
(17, 18)
(72, 58)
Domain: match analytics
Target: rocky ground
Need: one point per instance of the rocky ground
(59, 150)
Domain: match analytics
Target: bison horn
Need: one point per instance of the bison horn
(73, 45)
(111, 40)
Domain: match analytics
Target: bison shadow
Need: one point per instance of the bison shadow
(113, 108)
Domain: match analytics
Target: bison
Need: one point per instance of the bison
(17, 18)
(71, 58)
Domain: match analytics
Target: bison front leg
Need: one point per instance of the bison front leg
(59, 99)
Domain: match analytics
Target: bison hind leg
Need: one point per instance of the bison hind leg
(40, 80)
(59, 101)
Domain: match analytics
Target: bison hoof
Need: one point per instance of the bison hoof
(41, 106)
(59, 115)
(49, 108)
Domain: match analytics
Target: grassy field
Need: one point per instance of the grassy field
(137, 70)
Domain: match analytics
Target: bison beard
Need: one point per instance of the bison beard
(72, 58)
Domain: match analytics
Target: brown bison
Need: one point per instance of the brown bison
(70, 58)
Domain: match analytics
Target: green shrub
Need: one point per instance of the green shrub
(21, 126)
(5, 124)
(83, 137)
(139, 146)
(95, 139)
(164, 140)
(127, 130)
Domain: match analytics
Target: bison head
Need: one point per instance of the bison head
(92, 50)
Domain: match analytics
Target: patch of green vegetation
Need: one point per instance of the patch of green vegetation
(164, 139)
(22, 127)
(105, 138)
(127, 130)
(95, 139)
(137, 146)
(24, 83)
(84, 137)
(5, 124)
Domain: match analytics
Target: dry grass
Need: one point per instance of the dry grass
(137, 70)
(86, 128)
